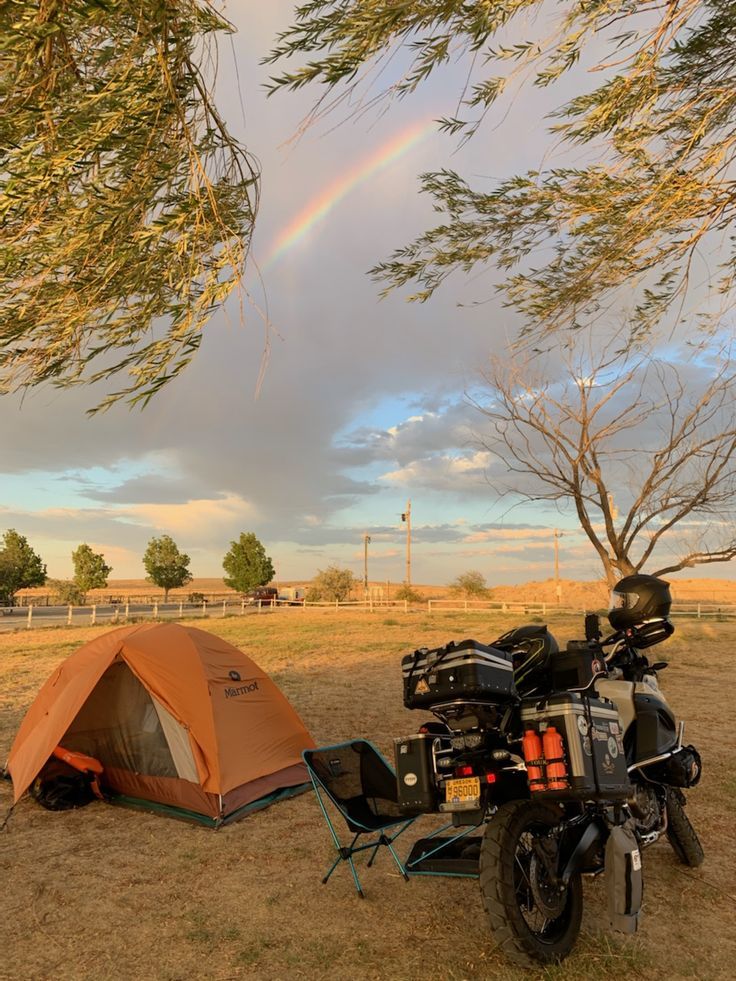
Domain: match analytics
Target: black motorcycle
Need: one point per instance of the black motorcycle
(572, 761)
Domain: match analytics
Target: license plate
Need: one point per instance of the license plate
(460, 791)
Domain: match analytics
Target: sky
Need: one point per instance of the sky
(366, 403)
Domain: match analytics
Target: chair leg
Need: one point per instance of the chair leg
(398, 861)
(355, 877)
(375, 850)
(332, 868)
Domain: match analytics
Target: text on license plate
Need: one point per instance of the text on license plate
(457, 791)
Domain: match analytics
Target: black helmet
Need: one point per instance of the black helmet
(532, 648)
(638, 598)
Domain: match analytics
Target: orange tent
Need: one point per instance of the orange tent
(181, 720)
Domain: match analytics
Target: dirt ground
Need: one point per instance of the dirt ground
(110, 893)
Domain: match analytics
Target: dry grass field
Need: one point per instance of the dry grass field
(110, 893)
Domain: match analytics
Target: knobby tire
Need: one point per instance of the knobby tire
(500, 893)
(681, 834)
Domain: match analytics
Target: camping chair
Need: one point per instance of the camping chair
(362, 786)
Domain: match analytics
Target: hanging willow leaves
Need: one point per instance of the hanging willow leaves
(126, 206)
(657, 130)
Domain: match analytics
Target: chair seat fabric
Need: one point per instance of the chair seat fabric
(362, 786)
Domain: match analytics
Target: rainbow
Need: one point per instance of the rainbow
(321, 205)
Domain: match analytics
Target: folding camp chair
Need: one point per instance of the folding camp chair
(362, 786)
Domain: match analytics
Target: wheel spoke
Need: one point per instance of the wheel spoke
(524, 872)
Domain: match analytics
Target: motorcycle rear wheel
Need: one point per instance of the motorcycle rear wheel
(531, 920)
(681, 834)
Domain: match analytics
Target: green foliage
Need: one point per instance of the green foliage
(409, 594)
(167, 567)
(66, 592)
(246, 564)
(331, 584)
(20, 566)
(127, 207)
(90, 570)
(658, 128)
(471, 584)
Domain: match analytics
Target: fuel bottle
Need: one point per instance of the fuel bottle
(531, 746)
(554, 754)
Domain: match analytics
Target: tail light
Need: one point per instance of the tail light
(463, 771)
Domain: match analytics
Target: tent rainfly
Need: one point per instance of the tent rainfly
(183, 723)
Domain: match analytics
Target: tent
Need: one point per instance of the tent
(182, 721)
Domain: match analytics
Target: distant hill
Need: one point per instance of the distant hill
(579, 595)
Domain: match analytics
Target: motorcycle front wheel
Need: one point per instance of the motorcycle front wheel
(532, 919)
(680, 833)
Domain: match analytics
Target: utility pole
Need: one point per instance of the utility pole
(366, 542)
(558, 588)
(406, 516)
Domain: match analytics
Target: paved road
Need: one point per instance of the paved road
(15, 618)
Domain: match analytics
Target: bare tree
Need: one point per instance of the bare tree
(641, 448)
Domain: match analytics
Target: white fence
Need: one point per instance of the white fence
(30, 617)
(697, 611)
(33, 617)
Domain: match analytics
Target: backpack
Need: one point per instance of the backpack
(67, 780)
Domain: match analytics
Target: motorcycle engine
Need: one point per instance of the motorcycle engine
(647, 809)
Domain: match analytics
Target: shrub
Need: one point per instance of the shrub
(470, 584)
(66, 592)
(332, 584)
(406, 592)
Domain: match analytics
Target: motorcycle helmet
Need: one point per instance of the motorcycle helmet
(638, 598)
(532, 648)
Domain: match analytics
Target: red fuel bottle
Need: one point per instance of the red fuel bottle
(532, 748)
(554, 754)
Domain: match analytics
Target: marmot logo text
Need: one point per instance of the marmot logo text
(245, 689)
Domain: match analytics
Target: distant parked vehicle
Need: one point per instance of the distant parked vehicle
(262, 594)
(292, 594)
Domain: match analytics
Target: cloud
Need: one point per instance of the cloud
(200, 520)
(461, 473)
(495, 534)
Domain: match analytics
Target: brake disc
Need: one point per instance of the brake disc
(549, 898)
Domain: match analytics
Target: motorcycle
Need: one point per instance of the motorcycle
(571, 761)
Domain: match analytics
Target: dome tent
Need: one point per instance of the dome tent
(182, 721)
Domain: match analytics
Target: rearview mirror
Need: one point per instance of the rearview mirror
(592, 626)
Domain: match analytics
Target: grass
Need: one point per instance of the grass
(108, 893)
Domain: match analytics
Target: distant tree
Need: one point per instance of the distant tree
(247, 564)
(66, 592)
(90, 570)
(20, 566)
(470, 584)
(166, 566)
(408, 593)
(331, 583)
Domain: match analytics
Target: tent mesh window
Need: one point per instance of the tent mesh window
(119, 725)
